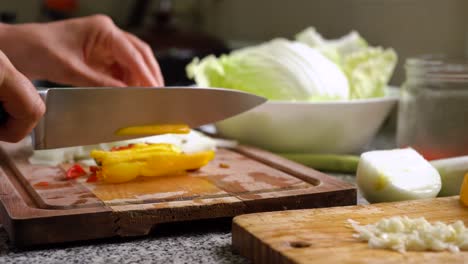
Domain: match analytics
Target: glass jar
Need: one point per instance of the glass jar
(433, 109)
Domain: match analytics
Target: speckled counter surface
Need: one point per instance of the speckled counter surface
(204, 242)
(199, 242)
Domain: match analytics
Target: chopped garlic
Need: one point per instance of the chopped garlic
(412, 234)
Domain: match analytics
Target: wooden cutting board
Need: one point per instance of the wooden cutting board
(68, 210)
(323, 236)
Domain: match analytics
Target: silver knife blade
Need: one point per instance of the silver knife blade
(85, 116)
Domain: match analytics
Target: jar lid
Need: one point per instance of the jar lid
(438, 68)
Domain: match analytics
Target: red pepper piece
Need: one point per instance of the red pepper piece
(122, 147)
(75, 171)
(42, 184)
(93, 168)
(92, 178)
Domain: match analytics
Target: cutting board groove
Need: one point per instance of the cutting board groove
(254, 181)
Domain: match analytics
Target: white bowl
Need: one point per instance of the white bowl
(310, 127)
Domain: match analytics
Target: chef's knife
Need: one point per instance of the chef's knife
(85, 116)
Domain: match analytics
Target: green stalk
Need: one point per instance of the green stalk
(325, 162)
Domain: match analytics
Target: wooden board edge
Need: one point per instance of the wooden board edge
(396, 204)
(335, 198)
(248, 245)
(55, 229)
(110, 223)
(147, 220)
(21, 219)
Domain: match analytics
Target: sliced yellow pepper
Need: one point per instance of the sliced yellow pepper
(464, 191)
(154, 130)
(133, 152)
(147, 160)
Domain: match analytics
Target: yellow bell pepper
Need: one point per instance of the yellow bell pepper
(154, 130)
(464, 191)
(147, 160)
(133, 152)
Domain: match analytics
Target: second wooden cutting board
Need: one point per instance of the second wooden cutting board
(323, 235)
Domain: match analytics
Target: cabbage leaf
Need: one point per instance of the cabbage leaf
(278, 70)
(367, 68)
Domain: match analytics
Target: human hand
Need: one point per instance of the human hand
(89, 51)
(20, 101)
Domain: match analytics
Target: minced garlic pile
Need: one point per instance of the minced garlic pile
(413, 234)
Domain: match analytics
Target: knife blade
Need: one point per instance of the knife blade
(85, 116)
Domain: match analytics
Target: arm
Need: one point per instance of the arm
(89, 51)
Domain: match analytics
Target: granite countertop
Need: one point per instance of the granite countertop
(197, 242)
(202, 242)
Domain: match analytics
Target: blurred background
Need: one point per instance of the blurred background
(179, 30)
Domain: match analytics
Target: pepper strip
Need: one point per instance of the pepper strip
(147, 160)
(154, 130)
